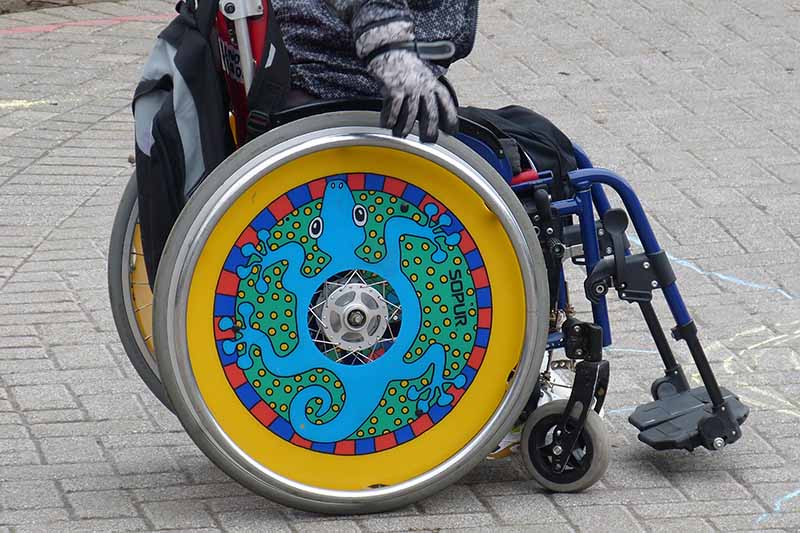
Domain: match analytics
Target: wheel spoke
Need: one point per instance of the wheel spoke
(358, 273)
(393, 315)
(388, 303)
(327, 343)
(345, 356)
(350, 277)
(311, 310)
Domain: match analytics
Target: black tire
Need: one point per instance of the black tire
(593, 441)
(119, 291)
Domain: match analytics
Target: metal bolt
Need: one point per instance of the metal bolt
(576, 329)
(558, 433)
(230, 8)
(654, 284)
(609, 250)
(601, 232)
(579, 352)
(536, 218)
(550, 231)
(557, 450)
(719, 443)
(646, 265)
(599, 289)
(356, 319)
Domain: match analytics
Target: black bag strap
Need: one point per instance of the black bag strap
(513, 153)
(205, 14)
(511, 148)
(272, 79)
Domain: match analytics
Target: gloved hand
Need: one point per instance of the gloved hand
(412, 92)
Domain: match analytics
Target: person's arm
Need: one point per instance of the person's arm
(363, 15)
(411, 89)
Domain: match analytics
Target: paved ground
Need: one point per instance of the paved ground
(698, 102)
(12, 6)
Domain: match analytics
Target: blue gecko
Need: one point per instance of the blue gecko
(339, 231)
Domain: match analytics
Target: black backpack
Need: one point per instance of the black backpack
(180, 109)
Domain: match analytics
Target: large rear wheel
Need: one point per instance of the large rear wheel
(347, 321)
(130, 294)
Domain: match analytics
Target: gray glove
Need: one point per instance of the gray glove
(412, 92)
(411, 89)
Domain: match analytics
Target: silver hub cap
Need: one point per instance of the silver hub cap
(354, 317)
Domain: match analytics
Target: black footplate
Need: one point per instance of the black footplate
(686, 421)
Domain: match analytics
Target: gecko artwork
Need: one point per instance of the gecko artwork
(390, 278)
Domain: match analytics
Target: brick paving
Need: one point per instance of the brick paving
(14, 6)
(696, 101)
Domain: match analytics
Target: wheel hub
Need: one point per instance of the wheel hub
(354, 317)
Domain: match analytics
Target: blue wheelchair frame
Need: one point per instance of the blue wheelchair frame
(588, 202)
(709, 416)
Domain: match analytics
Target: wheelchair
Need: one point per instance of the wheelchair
(345, 321)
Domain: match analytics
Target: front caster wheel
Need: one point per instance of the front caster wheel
(542, 454)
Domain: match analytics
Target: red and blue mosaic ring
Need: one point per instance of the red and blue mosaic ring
(352, 314)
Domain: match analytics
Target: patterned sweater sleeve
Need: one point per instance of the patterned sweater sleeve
(375, 22)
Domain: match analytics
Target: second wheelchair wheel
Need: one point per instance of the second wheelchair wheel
(130, 294)
(346, 321)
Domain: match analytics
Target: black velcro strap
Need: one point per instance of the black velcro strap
(513, 154)
(433, 51)
(258, 123)
(271, 81)
(205, 13)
